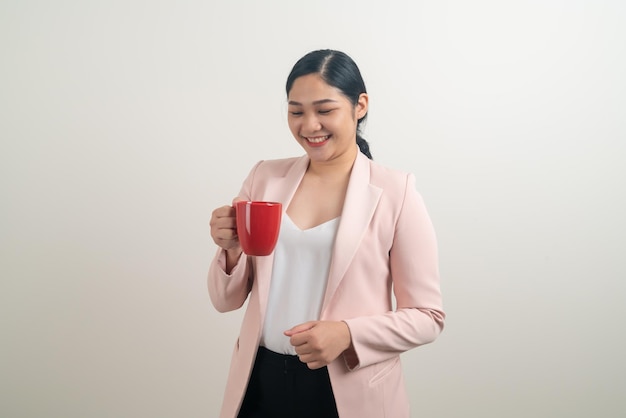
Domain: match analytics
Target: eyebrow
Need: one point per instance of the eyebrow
(317, 102)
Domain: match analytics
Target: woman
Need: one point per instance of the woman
(320, 336)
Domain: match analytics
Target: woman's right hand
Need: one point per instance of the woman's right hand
(224, 233)
(224, 227)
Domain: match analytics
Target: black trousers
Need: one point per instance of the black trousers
(281, 386)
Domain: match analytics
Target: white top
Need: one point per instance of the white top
(299, 277)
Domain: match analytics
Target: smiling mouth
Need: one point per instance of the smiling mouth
(316, 139)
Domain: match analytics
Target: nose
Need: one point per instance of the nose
(311, 123)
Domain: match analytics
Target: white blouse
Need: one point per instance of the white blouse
(299, 277)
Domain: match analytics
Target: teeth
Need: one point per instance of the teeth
(317, 139)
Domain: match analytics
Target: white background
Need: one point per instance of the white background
(123, 124)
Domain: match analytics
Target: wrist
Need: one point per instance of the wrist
(232, 258)
(347, 336)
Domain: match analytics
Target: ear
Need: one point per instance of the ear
(361, 106)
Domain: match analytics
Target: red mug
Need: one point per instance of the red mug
(258, 224)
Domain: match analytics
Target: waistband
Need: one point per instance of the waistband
(284, 362)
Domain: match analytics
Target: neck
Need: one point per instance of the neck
(334, 169)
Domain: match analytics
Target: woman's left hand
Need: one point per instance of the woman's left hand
(318, 343)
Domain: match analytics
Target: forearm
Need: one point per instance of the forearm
(232, 258)
(379, 337)
(228, 290)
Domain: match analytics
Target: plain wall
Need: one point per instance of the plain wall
(123, 124)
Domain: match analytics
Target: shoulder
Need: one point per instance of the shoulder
(400, 197)
(398, 187)
(276, 167)
(389, 179)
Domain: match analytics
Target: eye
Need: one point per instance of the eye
(295, 113)
(325, 111)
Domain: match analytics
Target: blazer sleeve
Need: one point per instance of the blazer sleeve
(229, 291)
(419, 317)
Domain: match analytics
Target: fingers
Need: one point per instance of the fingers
(299, 339)
(223, 223)
(313, 359)
(300, 328)
(224, 227)
(318, 343)
(312, 363)
(300, 335)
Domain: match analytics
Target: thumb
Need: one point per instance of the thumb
(300, 328)
(235, 200)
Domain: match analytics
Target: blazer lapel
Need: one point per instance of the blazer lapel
(282, 188)
(278, 189)
(359, 206)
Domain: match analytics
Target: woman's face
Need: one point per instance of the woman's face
(323, 120)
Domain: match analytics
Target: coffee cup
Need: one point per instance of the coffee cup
(258, 224)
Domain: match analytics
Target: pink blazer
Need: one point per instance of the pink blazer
(385, 237)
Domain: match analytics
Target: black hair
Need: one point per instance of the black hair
(337, 69)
